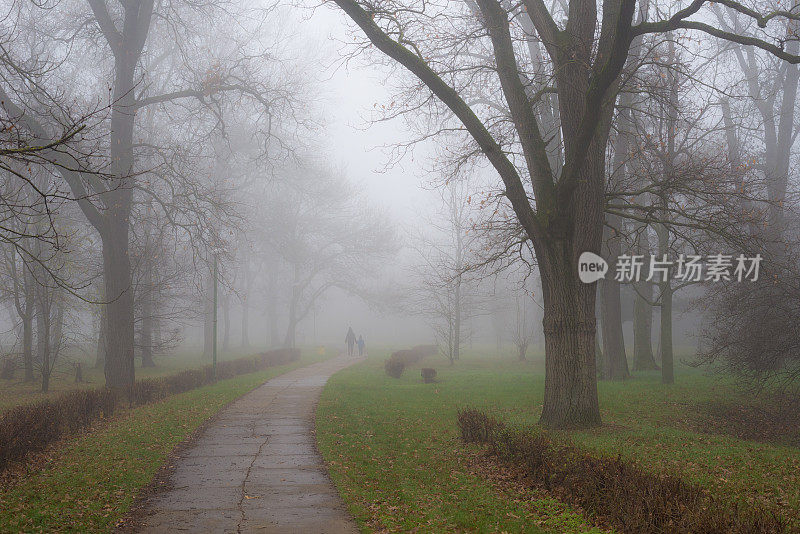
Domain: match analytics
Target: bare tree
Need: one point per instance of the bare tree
(586, 56)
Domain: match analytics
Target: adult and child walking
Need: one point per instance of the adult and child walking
(351, 342)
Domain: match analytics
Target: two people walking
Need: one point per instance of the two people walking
(351, 341)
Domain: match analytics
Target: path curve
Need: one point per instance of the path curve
(256, 467)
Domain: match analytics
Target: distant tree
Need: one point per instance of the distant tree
(443, 289)
(327, 236)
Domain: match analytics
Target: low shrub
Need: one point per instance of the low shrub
(616, 491)
(30, 428)
(428, 375)
(476, 426)
(394, 368)
(401, 359)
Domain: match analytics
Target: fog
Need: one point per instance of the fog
(313, 176)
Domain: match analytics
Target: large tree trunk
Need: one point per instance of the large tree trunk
(570, 392)
(126, 43)
(100, 358)
(119, 364)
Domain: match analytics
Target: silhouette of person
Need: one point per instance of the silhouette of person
(360, 343)
(350, 339)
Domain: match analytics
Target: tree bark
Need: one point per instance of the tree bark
(100, 359)
(27, 325)
(570, 392)
(290, 340)
(226, 323)
(272, 314)
(643, 358)
(667, 357)
(457, 321)
(613, 339)
(245, 323)
(146, 339)
(146, 334)
(119, 364)
(126, 44)
(43, 336)
(208, 319)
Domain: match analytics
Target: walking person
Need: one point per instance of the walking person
(360, 344)
(350, 340)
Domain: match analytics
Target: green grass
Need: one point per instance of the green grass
(91, 481)
(395, 456)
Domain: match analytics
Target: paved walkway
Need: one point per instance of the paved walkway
(256, 467)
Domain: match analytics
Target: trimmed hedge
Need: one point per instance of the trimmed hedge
(616, 491)
(31, 428)
(401, 359)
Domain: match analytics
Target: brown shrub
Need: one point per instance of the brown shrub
(476, 426)
(401, 359)
(428, 375)
(394, 367)
(618, 492)
(31, 428)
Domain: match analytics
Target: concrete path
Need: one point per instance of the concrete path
(256, 467)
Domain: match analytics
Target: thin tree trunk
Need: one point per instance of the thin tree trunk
(226, 323)
(613, 338)
(643, 358)
(208, 319)
(27, 325)
(457, 321)
(667, 358)
(43, 336)
(245, 323)
(146, 334)
(246, 308)
(291, 330)
(272, 314)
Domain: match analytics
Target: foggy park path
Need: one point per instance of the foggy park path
(256, 467)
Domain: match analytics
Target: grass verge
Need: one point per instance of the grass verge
(90, 482)
(393, 448)
(393, 451)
